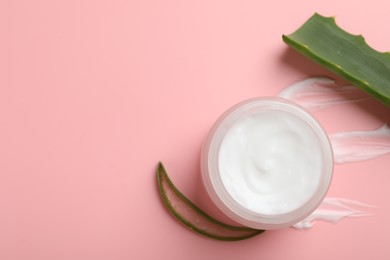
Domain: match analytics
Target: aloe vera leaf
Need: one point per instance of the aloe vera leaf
(349, 56)
(194, 218)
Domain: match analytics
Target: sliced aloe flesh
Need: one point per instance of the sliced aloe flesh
(193, 217)
(349, 56)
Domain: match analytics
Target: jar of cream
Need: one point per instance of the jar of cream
(267, 163)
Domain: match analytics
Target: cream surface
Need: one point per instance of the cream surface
(270, 162)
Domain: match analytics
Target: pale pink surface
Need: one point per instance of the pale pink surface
(94, 93)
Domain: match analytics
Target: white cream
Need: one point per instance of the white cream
(333, 210)
(270, 162)
(358, 146)
(320, 92)
(267, 163)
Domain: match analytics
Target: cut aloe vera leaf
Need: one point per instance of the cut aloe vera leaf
(194, 218)
(349, 56)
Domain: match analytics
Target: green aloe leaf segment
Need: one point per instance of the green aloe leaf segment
(194, 218)
(349, 56)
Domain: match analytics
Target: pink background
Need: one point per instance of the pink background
(94, 93)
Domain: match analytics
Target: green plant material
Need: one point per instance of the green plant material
(348, 55)
(193, 217)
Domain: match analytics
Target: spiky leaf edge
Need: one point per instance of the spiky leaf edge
(305, 50)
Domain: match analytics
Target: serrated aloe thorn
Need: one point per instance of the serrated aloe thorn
(349, 56)
(193, 217)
